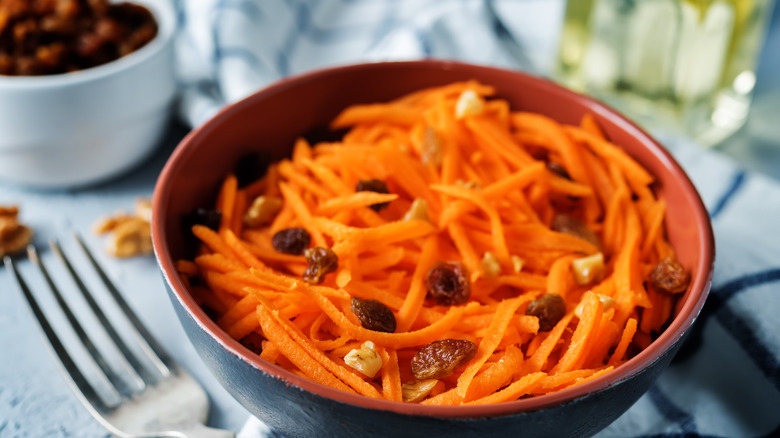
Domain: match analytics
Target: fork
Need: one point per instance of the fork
(164, 401)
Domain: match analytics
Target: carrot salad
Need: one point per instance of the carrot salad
(448, 250)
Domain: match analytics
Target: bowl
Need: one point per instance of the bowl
(73, 129)
(271, 119)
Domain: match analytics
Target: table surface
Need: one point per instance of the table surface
(34, 398)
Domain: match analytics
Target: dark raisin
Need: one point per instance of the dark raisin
(251, 167)
(670, 276)
(549, 308)
(323, 133)
(558, 169)
(374, 315)
(254, 342)
(572, 226)
(373, 185)
(50, 37)
(448, 283)
(440, 358)
(322, 261)
(203, 216)
(291, 240)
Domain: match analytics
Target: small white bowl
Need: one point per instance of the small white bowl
(78, 128)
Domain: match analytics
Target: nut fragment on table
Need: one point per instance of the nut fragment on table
(131, 235)
(14, 236)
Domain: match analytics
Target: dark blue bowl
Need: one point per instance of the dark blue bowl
(271, 120)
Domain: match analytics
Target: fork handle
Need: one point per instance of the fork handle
(201, 431)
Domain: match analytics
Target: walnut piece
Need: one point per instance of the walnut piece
(418, 211)
(417, 390)
(469, 104)
(131, 235)
(263, 211)
(364, 359)
(14, 236)
(491, 267)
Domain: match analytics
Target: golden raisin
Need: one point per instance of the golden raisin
(440, 358)
(448, 283)
(322, 261)
(292, 241)
(374, 315)
(549, 308)
(670, 276)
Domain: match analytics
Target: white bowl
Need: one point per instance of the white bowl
(78, 128)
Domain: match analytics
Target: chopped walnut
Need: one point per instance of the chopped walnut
(588, 270)
(417, 390)
(131, 238)
(517, 263)
(365, 359)
(262, 211)
(469, 104)
(143, 209)
(490, 265)
(14, 236)
(418, 211)
(131, 235)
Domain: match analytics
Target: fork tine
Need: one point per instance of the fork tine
(118, 384)
(81, 387)
(136, 365)
(148, 343)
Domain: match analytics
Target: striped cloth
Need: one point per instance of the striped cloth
(726, 380)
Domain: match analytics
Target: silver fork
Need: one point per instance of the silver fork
(162, 402)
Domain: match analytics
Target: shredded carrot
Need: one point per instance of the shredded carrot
(391, 376)
(295, 353)
(478, 192)
(490, 341)
(622, 346)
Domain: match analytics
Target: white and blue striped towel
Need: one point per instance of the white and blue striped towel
(726, 380)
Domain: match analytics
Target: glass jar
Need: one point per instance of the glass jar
(684, 66)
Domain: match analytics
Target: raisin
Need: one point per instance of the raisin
(324, 134)
(448, 283)
(549, 308)
(373, 185)
(558, 169)
(572, 226)
(374, 315)
(670, 276)
(440, 358)
(253, 341)
(58, 36)
(251, 167)
(321, 262)
(292, 241)
(203, 216)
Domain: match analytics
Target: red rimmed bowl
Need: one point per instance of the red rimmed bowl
(271, 120)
